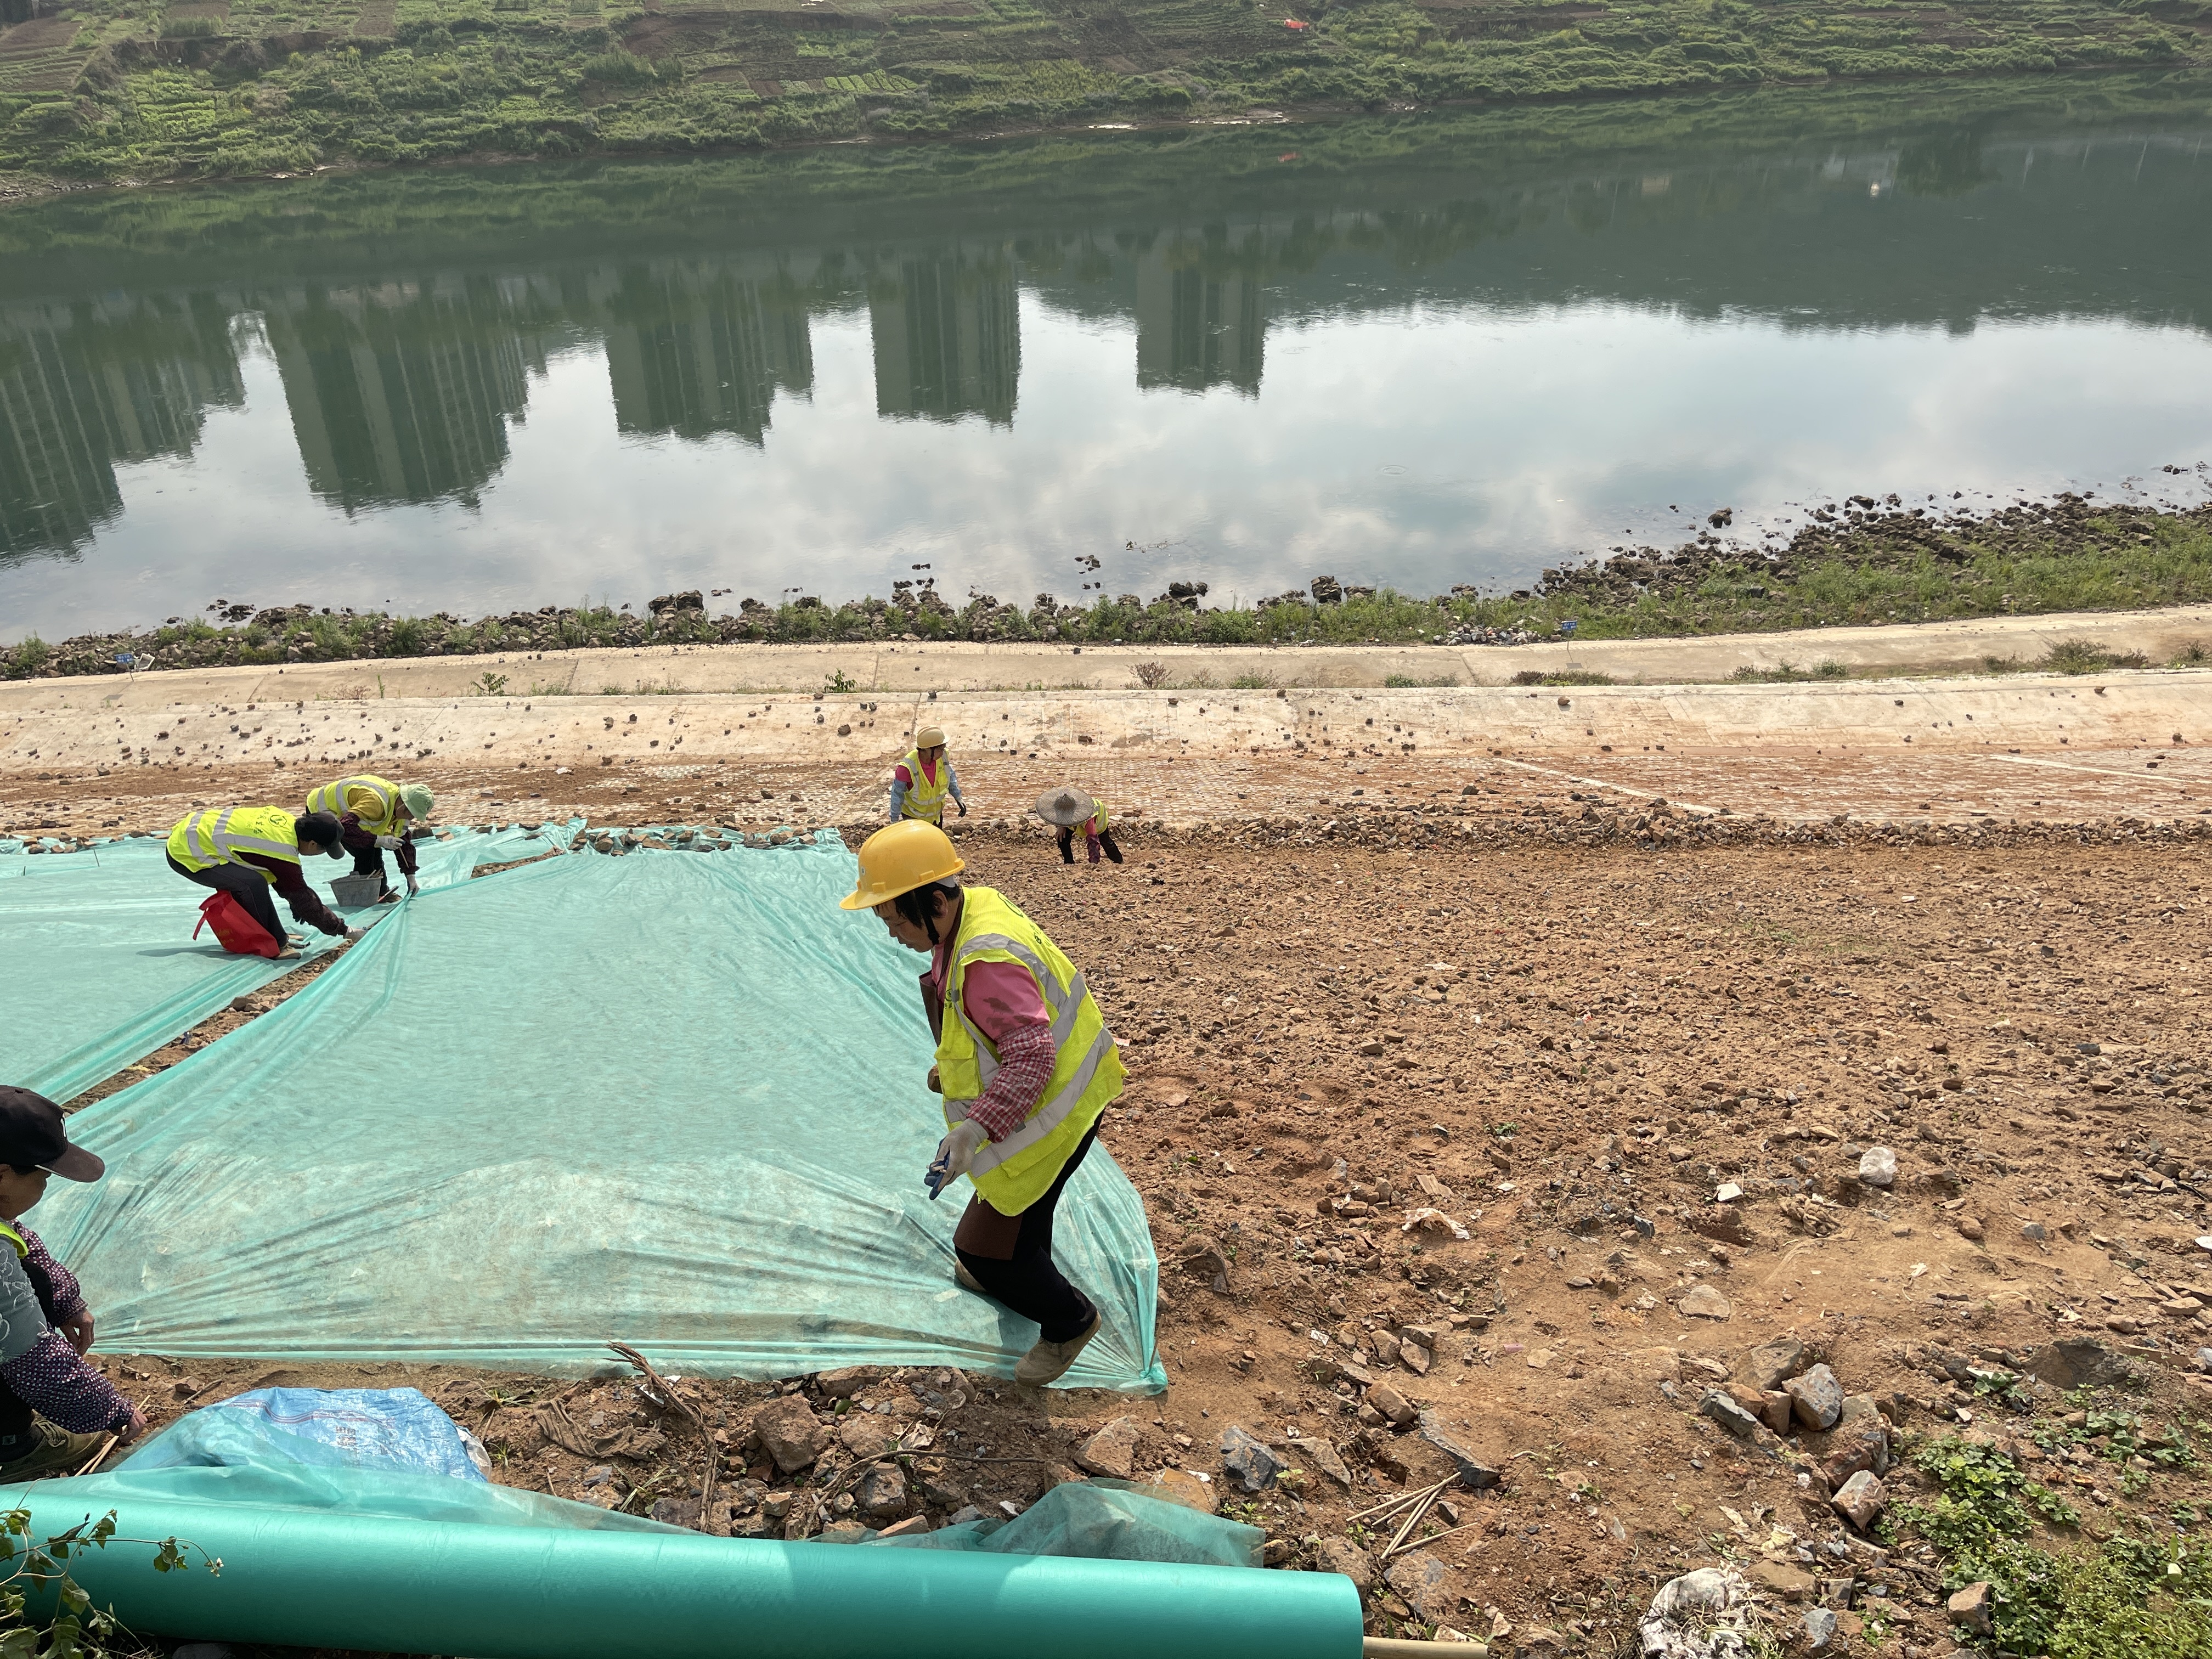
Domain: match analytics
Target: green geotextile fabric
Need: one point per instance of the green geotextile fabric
(673, 1100)
(99, 949)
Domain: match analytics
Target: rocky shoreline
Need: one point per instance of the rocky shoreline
(1862, 559)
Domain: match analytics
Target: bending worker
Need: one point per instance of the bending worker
(1026, 1066)
(1066, 808)
(373, 814)
(245, 851)
(924, 778)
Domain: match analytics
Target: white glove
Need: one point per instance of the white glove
(388, 843)
(413, 887)
(955, 1153)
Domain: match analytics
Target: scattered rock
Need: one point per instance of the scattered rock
(906, 1529)
(1878, 1167)
(1860, 1499)
(1323, 1456)
(1970, 1229)
(677, 1511)
(1818, 1398)
(1771, 1363)
(843, 1382)
(1723, 1409)
(1391, 1404)
(1113, 1450)
(1704, 1301)
(1791, 1583)
(1473, 1473)
(1182, 1486)
(792, 1434)
(867, 1434)
(1859, 1441)
(1342, 1555)
(882, 1492)
(1243, 1457)
(1820, 1627)
(1423, 1580)
(1774, 1410)
(1974, 1606)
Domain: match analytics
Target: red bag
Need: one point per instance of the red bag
(236, 928)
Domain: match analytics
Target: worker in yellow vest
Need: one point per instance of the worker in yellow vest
(373, 814)
(920, 782)
(1065, 809)
(1026, 1066)
(249, 851)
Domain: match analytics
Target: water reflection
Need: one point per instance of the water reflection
(408, 371)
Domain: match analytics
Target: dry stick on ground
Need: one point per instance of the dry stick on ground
(1390, 1506)
(666, 1392)
(1412, 1520)
(93, 1461)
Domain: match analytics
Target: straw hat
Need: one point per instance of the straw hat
(930, 736)
(1066, 807)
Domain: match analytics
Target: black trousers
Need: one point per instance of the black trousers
(249, 887)
(1105, 842)
(1028, 1282)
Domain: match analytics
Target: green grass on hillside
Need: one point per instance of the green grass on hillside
(144, 89)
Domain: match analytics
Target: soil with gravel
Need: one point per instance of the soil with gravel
(1642, 1081)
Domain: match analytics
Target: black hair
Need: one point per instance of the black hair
(26, 1169)
(321, 828)
(919, 904)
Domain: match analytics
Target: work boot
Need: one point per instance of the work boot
(390, 896)
(1048, 1362)
(42, 1449)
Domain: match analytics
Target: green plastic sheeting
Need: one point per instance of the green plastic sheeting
(310, 1576)
(673, 1099)
(100, 943)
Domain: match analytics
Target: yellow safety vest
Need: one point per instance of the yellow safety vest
(1013, 1174)
(203, 840)
(925, 798)
(373, 801)
(1099, 817)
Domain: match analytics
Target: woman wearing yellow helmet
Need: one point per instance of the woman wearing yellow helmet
(1026, 1067)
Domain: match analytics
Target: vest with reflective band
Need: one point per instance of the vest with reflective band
(15, 1239)
(1099, 817)
(372, 800)
(203, 840)
(925, 797)
(1013, 1174)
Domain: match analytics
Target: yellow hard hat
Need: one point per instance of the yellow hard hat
(930, 736)
(899, 857)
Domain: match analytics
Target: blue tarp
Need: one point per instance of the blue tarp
(99, 952)
(673, 1099)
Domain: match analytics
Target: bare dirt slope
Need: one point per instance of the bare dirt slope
(1572, 1054)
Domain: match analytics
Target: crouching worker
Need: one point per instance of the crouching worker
(373, 814)
(1026, 1066)
(1069, 809)
(247, 850)
(55, 1409)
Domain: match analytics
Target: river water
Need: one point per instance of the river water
(1421, 351)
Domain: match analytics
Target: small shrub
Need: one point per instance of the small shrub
(2076, 657)
(1151, 675)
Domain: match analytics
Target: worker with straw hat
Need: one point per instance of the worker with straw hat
(923, 781)
(1026, 1066)
(373, 814)
(1067, 806)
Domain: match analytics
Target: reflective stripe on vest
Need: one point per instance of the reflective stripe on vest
(383, 798)
(925, 797)
(203, 840)
(1013, 1174)
(17, 1239)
